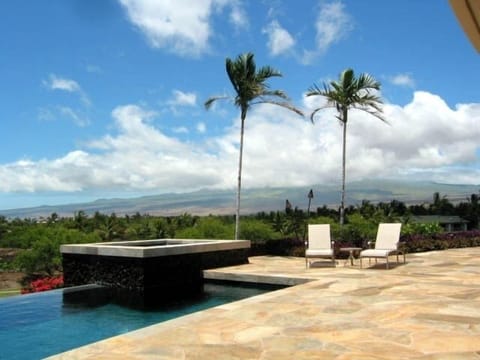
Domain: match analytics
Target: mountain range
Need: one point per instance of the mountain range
(218, 202)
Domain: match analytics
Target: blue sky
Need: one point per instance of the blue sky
(105, 98)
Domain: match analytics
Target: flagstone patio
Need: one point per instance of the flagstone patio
(428, 308)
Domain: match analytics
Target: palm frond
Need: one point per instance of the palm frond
(367, 82)
(232, 73)
(314, 112)
(248, 63)
(283, 104)
(350, 92)
(274, 93)
(377, 112)
(250, 84)
(315, 90)
(267, 72)
(347, 78)
(208, 104)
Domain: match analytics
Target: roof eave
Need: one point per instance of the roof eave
(468, 14)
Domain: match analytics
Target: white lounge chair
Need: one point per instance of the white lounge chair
(386, 244)
(319, 244)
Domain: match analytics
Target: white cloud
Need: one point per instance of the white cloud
(63, 84)
(182, 26)
(137, 157)
(403, 80)
(57, 83)
(424, 137)
(181, 98)
(279, 40)
(426, 140)
(77, 118)
(61, 113)
(201, 128)
(238, 17)
(332, 25)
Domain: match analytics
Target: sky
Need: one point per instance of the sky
(103, 99)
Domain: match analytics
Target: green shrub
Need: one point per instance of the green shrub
(257, 230)
(421, 229)
(44, 254)
(207, 228)
(357, 232)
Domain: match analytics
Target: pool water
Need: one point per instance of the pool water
(38, 325)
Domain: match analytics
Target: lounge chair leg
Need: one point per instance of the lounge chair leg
(360, 263)
(387, 262)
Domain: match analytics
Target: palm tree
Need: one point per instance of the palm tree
(250, 89)
(349, 92)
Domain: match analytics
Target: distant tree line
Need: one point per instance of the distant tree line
(40, 239)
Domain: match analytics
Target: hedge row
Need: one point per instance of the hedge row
(412, 244)
(441, 241)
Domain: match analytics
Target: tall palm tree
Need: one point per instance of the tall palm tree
(250, 89)
(349, 92)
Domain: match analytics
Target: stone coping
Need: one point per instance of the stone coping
(279, 279)
(154, 248)
(425, 309)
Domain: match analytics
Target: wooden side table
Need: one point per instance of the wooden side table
(351, 253)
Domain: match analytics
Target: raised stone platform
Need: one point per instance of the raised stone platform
(426, 309)
(146, 272)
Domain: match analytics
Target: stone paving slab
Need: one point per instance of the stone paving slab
(428, 308)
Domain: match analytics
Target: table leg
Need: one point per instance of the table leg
(350, 258)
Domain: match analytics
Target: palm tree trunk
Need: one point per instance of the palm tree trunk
(239, 185)
(344, 154)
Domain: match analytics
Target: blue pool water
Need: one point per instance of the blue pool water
(38, 325)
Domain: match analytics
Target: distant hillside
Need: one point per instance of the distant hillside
(218, 202)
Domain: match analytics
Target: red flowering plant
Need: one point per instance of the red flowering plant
(44, 284)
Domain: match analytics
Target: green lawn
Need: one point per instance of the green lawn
(5, 293)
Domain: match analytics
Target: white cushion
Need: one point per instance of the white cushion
(319, 252)
(319, 236)
(388, 236)
(376, 252)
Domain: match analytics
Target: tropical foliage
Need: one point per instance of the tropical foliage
(37, 241)
(349, 92)
(250, 88)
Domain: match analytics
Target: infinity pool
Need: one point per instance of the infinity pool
(38, 325)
